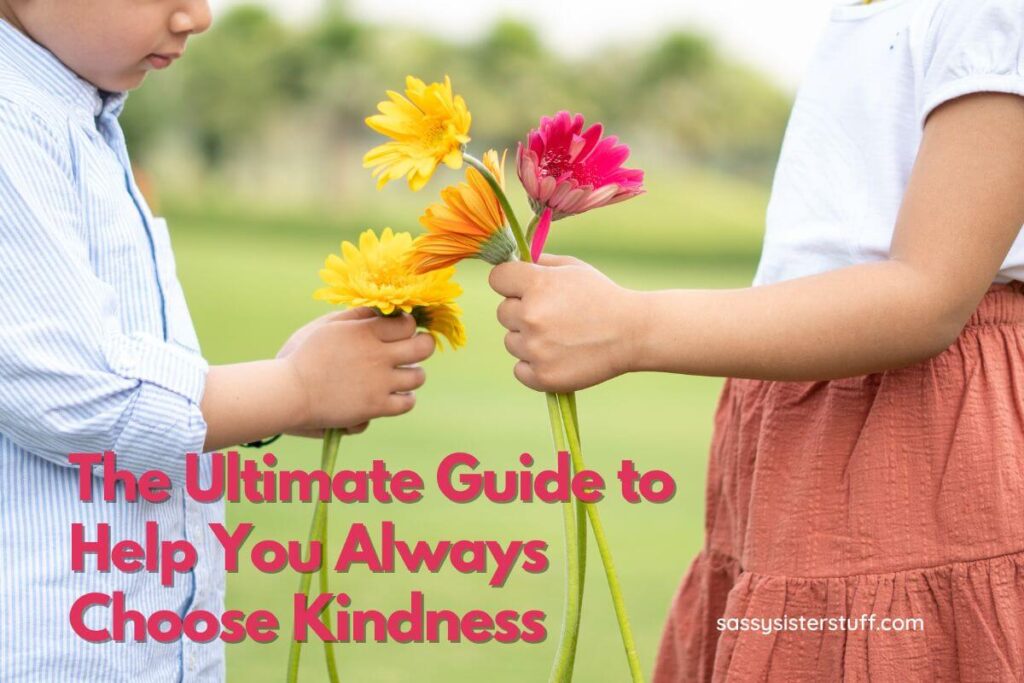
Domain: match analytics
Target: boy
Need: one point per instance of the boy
(97, 350)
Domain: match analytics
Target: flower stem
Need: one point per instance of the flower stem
(581, 510)
(575, 525)
(575, 560)
(568, 408)
(531, 227)
(332, 439)
(513, 223)
(318, 532)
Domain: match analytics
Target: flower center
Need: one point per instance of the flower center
(556, 163)
(435, 131)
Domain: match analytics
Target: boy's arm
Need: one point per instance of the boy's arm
(341, 370)
(962, 211)
(244, 402)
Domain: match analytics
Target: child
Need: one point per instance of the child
(97, 350)
(867, 462)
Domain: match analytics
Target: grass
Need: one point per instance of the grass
(249, 282)
(686, 218)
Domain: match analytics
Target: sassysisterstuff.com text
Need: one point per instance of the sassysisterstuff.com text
(458, 477)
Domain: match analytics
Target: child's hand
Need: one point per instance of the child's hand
(354, 366)
(300, 336)
(569, 325)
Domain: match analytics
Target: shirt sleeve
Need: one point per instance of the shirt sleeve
(972, 46)
(72, 380)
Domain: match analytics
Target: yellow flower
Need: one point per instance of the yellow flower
(468, 223)
(427, 127)
(496, 167)
(442, 320)
(376, 275)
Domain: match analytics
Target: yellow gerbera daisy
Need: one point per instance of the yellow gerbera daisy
(376, 275)
(467, 223)
(442, 320)
(428, 126)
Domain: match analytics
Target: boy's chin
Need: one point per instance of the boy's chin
(129, 82)
(120, 82)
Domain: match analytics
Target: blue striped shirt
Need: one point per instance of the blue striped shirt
(97, 352)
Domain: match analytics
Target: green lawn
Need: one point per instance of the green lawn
(687, 217)
(248, 289)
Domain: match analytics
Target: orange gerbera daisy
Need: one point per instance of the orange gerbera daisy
(467, 223)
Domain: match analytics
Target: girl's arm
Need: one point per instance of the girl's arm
(962, 210)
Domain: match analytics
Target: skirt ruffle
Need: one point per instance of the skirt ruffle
(957, 622)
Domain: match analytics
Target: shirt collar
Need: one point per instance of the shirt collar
(43, 68)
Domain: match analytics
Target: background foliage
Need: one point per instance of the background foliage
(264, 109)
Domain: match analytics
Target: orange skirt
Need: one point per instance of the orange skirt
(855, 502)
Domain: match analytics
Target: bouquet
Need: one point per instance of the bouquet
(565, 169)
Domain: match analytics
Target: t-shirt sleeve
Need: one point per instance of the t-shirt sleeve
(971, 46)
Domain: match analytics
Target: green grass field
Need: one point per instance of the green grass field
(249, 283)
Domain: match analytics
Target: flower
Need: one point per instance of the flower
(376, 275)
(571, 170)
(467, 223)
(428, 128)
(442, 320)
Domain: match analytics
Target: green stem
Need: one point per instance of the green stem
(332, 439)
(575, 525)
(581, 510)
(575, 415)
(317, 531)
(567, 404)
(513, 223)
(575, 557)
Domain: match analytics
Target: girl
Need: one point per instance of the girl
(867, 463)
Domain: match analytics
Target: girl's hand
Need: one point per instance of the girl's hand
(569, 325)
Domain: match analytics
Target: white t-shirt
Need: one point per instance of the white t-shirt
(856, 126)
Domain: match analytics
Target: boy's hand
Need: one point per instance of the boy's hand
(353, 366)
(300, 335)
(569, 325)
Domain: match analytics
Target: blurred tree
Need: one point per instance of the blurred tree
(532, 81)
(151, 112)
(254, 91)
(510, 39)
(715, 111)
(236, 76)
(683, 54)
(332, 9)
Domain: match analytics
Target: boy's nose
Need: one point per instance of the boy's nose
(193, 17)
